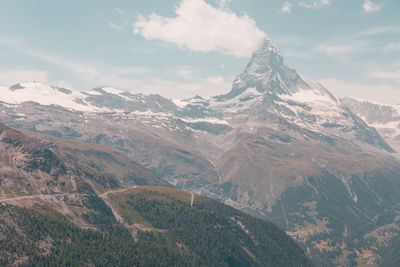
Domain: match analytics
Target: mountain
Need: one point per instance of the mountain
(103, 160)
(68, 175)
(65, 203)
(385, 118)
(278, 146)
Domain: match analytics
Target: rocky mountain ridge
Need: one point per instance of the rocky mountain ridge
(277, 145)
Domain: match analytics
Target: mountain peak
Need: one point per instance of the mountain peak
(264, 58)
(16, 87)
(266, 72)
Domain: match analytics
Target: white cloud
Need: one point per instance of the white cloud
(130, 70)
(11, 77)
(383, 93)
(334, 50)
(362, 42)
(135, 78)
(391, 47)
(6, 41)
(286, 8)
(86, 71)
(200, 27)
(380, 30)
(83, 69)
(115, 27)
(185, 73)
(387, 75)
(315, 4)
(370, 7)
(301, 54)
(120, 11)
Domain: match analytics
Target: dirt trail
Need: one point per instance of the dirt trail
(41, 196)
(103, 196)
(47, 196)
(133, 228)
(116, 191)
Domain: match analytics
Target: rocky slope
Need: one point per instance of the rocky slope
(385, 118)
(277, 145)
(67, 175)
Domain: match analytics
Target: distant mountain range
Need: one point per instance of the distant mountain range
(278, 145)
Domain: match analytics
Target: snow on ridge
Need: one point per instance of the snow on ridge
(395, 107)
(238, 103)
(45, 95)
(363, 100)
(149, 113)
(208, 120)
(111, 90)
(310, 96)
(92, 93)
(180, 103)
(388, 130)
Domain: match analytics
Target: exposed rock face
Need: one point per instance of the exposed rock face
(31, 166)
(278, 145)
(385, 118)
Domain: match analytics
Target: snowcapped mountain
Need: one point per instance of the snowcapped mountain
(44, 95)
(101, 99)
(383, 117)
(268, 91)
(278, 145)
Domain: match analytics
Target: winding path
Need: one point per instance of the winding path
(41, 196)
(103, 196)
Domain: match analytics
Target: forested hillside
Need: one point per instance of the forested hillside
(161, 229)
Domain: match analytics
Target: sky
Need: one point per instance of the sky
(180, 48)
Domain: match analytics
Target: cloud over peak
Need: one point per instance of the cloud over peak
(199, 26)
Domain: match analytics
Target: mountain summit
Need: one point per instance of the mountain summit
(271, 93)
(267, 73)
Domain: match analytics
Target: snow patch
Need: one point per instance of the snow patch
(111, 90)
(44, 95)
(208, 120)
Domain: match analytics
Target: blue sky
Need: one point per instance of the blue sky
(180, 48)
